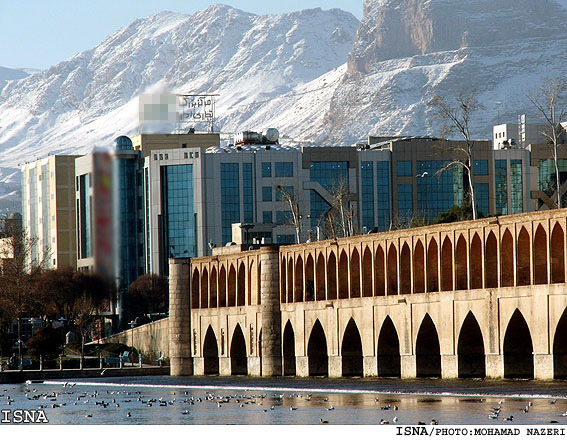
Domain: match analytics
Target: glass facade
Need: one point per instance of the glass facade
(247, 193)
(404, 168)
(267, 217)
(230, 199)
(266, 194)
(84, 218)
(405, 201)
(328, 175)
(546, 175)
(283, 217)
(480, 168)
(179, 212)
(367, 194)
(501, 186)
(266, 169)
(437, 192)
(284, 189)
(284, 239)
(482, 199)
(284, 169)
(383, 194)
(516, 186)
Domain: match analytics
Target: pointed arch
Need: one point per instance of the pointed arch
(214, 291)
(210, 353)
(461, 264)
(290, 280)
(320, 277)
(540, 256)
(331, 276)
(241, 285)
(405, 270)
(432, 266)
(238, 359)
(259, 283)
(205, 289)
(560, 348)
(288, 350)
(518, 348)
(379, 274)
(475, 277)
(557, 254)
(427, 350)
(392, 268)
(367, 273)
(298, 293)
(354, 274)
(418, 268)
(195, 289)
(470, 349)
(523, 254)
(389, 364)
(231, 285)
(317, 351)
(283, 280)
(343, 275)
(351, 351)
(447, 265)
(309, 279)
(507, 260)
(491, 261)
(222, 286)
(252, 285)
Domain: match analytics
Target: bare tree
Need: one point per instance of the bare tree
(456, 118)
(550, 101)
(339, 220)
(287, 195)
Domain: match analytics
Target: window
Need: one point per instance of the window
(196, 154)
(404, 168)
(183, 146)
(185, 156)
(155, 157)
(283, 217)
(284, 239)
(284, 169)
(266, 169)
(267, 217)
(166, 156)
(266, 194)
(480, 168)
(160, 156)
(405, 201)
(284, 189)
(367, 193)
(500, 181)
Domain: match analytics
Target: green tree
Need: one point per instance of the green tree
(45, 342)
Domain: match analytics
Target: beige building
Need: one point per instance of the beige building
(48, 209)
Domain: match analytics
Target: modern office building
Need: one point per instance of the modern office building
(48, 210)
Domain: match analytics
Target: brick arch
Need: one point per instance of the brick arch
(253, 285)
(309, 278)
(213, 285)
(351, 350)
(298, 285)
(210, 352)
(231, 285)
(367, 272)
(288, 349)
(222, 286)
(318, 350)
(354, 282)
(518, 348)
(392, 270)
(290, 287)
(471, 349)
(238, 351)
(343, 275)
(205, 288)
(506, 259)
(428, 349)
(461, 264)
(320, 277)
(405, 269)
(241, 285)
(432, 266)
(379, 273)
(540, 256)
(388, 349)
(557, 254)
(283, 280)
(447, 265)
(418, 267)
(195, 288)
(331, 276)
(475, 263)
(523, 254)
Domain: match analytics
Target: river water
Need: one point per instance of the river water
(244, 400)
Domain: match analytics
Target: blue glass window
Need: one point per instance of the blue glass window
(284, 239)
(383, 194)
(283, 217)
(516, 184)
(247, 193)
(267, 217)
(501, 186)
(329, 175)
(284, 169)
(480, 168)
(367, 194)
(230, 199)
(266, 169)
(266, 194)
(404, 168)
(405, 201)
(481, 197)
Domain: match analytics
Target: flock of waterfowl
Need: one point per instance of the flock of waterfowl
(184, 403)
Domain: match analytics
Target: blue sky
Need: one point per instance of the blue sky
(40, 33)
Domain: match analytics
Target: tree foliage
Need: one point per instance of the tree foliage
(149, 293)
(46, 342)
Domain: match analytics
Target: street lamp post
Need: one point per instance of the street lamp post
(132, 323)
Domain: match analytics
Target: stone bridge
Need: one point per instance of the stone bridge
(483, 298)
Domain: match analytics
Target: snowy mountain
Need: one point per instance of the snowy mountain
(247, 59)
(407, 51)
